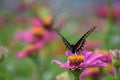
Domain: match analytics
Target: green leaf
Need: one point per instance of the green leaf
(109, 76)
(6, 75)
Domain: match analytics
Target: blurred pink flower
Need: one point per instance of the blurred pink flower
(82, 60)
(36, 22)
(2, 20)
(103, 11)
(49, 36)
(20, 20)
(35, 42)
(37, 37)
(22, 6)
(91, 45)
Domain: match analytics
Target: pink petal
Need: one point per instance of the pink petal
(25, 36)
(21, 54)
(87, 54)
(97, 63)
(49, 36)
(57, 62)
(94, 57)
(37, 23)
(68, 53)
(39, 44)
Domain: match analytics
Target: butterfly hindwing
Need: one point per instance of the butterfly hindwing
(80, 43)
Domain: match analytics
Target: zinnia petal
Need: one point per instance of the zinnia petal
(94, 57)
(68, 53)
(57, 62)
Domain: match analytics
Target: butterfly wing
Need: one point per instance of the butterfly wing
(65, 41)
(80, 43)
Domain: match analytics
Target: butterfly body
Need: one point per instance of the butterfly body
(73, 49)
(79, 44)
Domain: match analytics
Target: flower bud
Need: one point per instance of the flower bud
(3, 53)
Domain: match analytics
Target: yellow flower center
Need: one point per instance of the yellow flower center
(76, 59)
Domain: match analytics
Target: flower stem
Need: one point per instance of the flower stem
(116, 73)
(77, 78)
(36, 59)
(110, 24)
(76, 73)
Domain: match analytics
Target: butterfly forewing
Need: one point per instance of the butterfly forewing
(65, 41)
(80, 43)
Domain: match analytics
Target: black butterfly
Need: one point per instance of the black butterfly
(79, 44)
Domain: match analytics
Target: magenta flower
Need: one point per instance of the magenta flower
(82, 60)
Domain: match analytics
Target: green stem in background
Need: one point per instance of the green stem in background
(36, 59)
(108, 75)
(110, 24)
(100, 73)
(116, 73)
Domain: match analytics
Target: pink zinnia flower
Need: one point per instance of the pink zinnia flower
(82, 60)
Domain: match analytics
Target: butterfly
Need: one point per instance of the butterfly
(74, 48)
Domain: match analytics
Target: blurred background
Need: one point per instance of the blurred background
(76, 17)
